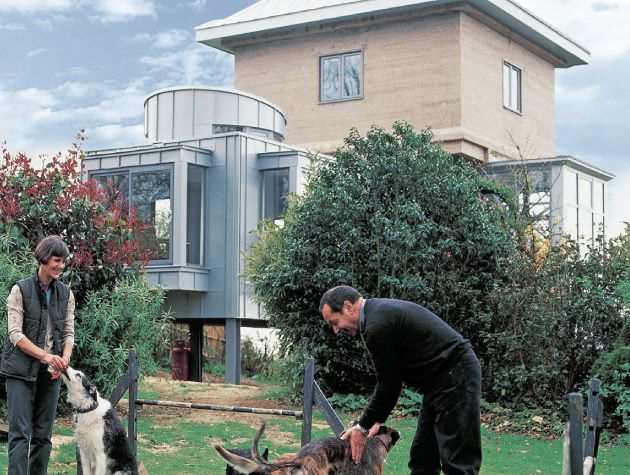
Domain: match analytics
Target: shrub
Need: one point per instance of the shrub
(394, 216)
(36, 202)
(112, 321)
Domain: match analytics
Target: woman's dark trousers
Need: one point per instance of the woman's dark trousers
(31, 408)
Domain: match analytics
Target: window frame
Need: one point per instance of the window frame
(129, 171)
(341, 57)
(511, 69)
(263, 191)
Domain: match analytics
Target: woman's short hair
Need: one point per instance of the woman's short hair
(51, 246)
(336, 296)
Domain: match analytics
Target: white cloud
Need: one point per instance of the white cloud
(36, 52)
(122, 10)
(122, 136)
(34, 6)
(598, 25)
(11, 26)
(166, 39)
(196, 64)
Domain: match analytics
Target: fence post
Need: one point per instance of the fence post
(576, 408)
(307, 404)
(592, 417)
(132, 415)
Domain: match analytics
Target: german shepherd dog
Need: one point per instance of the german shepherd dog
(100, 436)
(321, 457)
(229, 470)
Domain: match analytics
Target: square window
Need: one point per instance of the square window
(512, 87)
(275, 190)
(341, 77)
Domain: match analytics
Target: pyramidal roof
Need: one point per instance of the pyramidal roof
(271, 16)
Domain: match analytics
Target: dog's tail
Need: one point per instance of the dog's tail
(257, 464)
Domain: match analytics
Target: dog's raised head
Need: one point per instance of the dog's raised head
(388, 435)
(82, 394)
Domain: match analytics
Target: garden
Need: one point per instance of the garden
(394, 216)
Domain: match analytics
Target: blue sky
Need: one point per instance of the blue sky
(72, 64)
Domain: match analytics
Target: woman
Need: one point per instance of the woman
(40, 318)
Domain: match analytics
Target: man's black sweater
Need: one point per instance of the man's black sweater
(408, 344)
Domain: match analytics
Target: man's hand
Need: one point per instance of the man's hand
(357, 442)
(374, 430)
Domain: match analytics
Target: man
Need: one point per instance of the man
(409, 344)
(38, 348)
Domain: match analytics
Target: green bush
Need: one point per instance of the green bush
(112, 321)
(393, 215)
(613, 369)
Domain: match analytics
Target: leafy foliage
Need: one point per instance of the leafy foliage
(552, 319)
(394, 216)
(36, 202)
(112, 321)
(115, 309)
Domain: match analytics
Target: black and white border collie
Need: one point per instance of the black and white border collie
(100, 436)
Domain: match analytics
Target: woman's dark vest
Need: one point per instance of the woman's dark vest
(16, 363)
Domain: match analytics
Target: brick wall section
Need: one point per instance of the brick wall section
(483, 114)
(442, 71)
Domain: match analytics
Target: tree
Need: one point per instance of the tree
(54, 199)
(393, 215)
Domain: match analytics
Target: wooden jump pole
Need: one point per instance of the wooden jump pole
(217, 407)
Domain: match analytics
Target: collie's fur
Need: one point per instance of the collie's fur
(100, 436)
(321, 457)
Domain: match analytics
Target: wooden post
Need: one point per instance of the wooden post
(576, 409)
(307, 404)
(132, 415)
(592, 418)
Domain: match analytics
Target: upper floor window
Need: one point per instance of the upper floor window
(341, 77)
(149, 192)
(512, 87)
(275, 190)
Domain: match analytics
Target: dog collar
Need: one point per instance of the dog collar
(93, 406)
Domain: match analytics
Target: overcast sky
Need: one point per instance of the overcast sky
(72, 64)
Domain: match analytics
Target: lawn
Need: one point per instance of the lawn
(179, 441)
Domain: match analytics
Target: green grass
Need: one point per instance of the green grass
(176, 442)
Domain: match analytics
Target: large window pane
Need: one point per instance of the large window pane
(570, 224)
(352, 75)
(330, 71)
(341, 77)
(115, 185)
(194, 215)
(570, 188)
(584, 193)
(598, 197)
(151, 196)
(275, 192)
(585, 226)
(511, 87)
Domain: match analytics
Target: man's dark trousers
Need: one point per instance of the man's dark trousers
(39, 400)
(448, 437)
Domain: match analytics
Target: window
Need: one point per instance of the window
(584, 207)
(275, 191)
(512, 87)
(149, 193)
(194, 215)
(341, 77)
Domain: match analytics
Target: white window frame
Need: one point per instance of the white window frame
(341, 57)
(512, 87)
